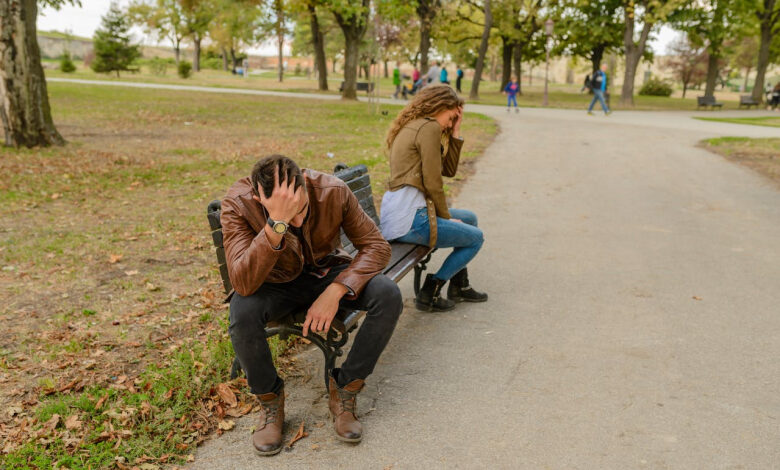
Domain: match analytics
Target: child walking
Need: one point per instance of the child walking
(510, 91)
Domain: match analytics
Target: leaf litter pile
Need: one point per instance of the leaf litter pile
(114, 351)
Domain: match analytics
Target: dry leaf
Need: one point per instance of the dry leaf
(131, 272)
(49, 425)
(240, 411)
(113, 259)
(151, 287)
(101, 401)
(72, 422)
(226, 425)
(696, 297)
(298, 436)
(227, 395)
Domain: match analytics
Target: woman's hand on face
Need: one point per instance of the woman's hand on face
(456, 122)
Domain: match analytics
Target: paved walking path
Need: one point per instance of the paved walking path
(634, 317)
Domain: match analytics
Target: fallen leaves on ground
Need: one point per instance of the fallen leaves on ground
(298, 436)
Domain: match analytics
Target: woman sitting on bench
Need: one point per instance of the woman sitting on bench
(424, 143)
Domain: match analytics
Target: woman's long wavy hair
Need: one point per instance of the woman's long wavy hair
(428, 102)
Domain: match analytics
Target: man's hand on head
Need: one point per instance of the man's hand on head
(323, 310)
(284, 203)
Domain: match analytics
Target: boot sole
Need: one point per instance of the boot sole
(431, 308)
(342, 438)
(463, 299)
(269, 453)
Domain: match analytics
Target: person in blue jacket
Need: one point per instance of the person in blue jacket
(510, 90)
(599, 86)
(443, 75)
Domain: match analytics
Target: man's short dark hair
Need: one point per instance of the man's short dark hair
(263, 173)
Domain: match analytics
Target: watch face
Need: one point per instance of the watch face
(280, 227)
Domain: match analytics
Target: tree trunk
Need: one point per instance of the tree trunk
(712, 75)
(633, 53)
(474, 94)
(386, 74)
(763, 51)
(318, 41)
(747, 74)
(225, 64)
(351, 46)
(24, 100)
(518, 53)
(279, 7)
(196, 52)
(596, 56)
(426, 11)
(354, 27)
(506, 62)
(334, 65)
(233, 59)
(685, 88)
(177, 52)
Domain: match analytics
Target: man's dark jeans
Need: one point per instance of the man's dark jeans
(381, 298)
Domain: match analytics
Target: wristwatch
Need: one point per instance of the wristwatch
(278, 226)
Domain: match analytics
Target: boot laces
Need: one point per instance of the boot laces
(271, 409)
(348, 401)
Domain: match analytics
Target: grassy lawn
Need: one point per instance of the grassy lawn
(768, 121)
(762, 155)
(560, 95)
(114, 350)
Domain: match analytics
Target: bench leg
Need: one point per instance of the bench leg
(418, 270)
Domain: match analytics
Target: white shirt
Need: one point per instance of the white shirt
(398, 210)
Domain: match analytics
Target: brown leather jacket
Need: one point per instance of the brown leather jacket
(251, 260)
(417, 159)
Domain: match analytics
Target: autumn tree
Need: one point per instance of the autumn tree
(426, 13)
(163, 19)
(745, 56)
(198, 15)
(687, 62)
(483, 46)
(24, 100)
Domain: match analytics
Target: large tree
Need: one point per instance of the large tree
(648, 14)
(352, 17)
(24, 101)
(687, 61)
(198, 15)
(714, 24)
(768, 13)
(589, 29)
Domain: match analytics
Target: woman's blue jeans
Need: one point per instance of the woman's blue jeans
(465, 237)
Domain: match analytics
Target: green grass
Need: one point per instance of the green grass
(761, 155)
(560, 95)
(768, 121)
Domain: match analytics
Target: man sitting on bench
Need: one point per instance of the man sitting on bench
(281, 233)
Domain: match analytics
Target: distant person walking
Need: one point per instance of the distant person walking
(415, 74)
(510, 90)
(599, 86)
(586, 84)
(397, 79)
(459, 79)
(443, 76)
(433, 74)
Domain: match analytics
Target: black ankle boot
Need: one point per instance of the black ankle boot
(459, 289)
(429, 298)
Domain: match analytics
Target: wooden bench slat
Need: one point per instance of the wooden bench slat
(359, 182)
(216, 237)
(405, 264)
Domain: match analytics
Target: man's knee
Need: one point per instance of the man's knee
(384, 292)
(247, 312)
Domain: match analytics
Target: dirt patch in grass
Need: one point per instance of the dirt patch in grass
(762, 155)
(766, 121)
(114, 347)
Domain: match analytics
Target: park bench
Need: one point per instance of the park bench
(747, 100)
(405, 257)
(368, 87)
(707, 101)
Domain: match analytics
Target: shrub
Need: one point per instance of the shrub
(298, 69)
(213, 63)
(656, 87)
(158, 66)
(66, 64)
(185, 69)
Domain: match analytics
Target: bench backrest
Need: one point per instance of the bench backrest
(703, 100)
(357, 180)
(746, 99)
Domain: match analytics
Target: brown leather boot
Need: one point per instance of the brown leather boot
(267, 437)
(343, 410)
